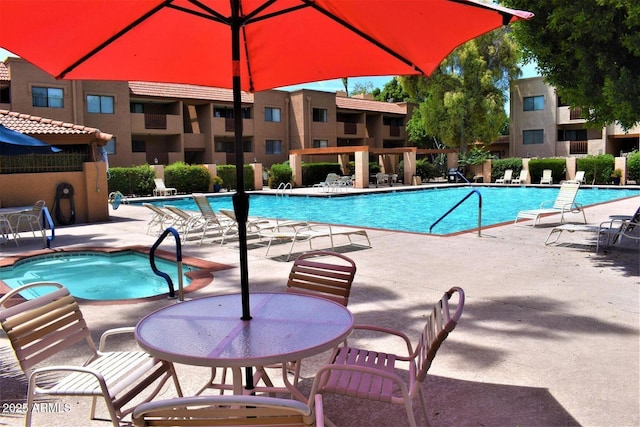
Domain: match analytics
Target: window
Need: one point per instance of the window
(100, 104)
(229, 146)
(572, 135)
(47, 97)
(533, 136)
(138, 146)
(136, 107)
(271, 114)
(273, 146)
(111, 146)
(533, 103)
(320, 115)
(320, 143)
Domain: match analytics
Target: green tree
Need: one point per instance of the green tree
(589, 50)
(392, 92)
(463, 100)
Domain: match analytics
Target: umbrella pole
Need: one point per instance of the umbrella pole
(240, 198)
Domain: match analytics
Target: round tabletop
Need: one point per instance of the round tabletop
(209, 332)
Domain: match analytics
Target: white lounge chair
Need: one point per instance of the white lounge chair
(579, 178)
(186, 222)
(565, 202)
(212, 222)
(51, 323)
(160, 219)
(313, 231)
(506, 178)
(522, 179)
(547, 177)
(162, 190)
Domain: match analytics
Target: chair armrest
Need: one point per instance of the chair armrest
(116, 331)
(46, 371)
(387, 331)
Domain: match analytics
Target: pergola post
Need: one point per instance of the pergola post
(362, 169)
(409, 158)
(295, 163)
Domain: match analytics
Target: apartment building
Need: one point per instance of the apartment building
(543, 126)
(161, 123)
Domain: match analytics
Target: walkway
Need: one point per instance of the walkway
(549, 336)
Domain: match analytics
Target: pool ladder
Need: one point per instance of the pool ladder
(152, 261)
(458, 204)
(282, 188)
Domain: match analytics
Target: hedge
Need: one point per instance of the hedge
(633, 166)
(228, 175)
(557, 166)
(187, 178)
(498, 166)
(597, 169)
(133, 181)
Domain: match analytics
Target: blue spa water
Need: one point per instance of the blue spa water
(95, 275)
(413, 211)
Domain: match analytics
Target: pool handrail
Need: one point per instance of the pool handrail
(46, 219)
(152, 261)
(458, 204)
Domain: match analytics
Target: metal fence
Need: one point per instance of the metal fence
(40, 163)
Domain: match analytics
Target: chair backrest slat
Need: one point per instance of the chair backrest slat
(566, 195)
(439, 324)
(43, 326)
(313, 276)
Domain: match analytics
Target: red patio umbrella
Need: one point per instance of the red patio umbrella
(244, 44)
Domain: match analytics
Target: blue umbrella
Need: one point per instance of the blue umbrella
(14, 143)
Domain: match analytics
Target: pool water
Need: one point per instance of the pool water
(95, 275)
(413, 211)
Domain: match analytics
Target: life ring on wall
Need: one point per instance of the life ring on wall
(65, 192)
(115, 198)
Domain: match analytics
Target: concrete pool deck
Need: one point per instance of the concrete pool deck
(549, 335)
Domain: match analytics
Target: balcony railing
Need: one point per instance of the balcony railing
(578, 147)
(394, 130)
(350, 128)
(155, 121)
(575, 114)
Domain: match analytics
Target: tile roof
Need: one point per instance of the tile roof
(369, 105)
(34, 125)
(175, 90)
(4, 72)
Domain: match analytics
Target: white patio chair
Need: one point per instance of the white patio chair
(370, 374)
(30, 219)
(522, 178)
(48, 324)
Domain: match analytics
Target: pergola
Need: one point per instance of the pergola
(361, 154)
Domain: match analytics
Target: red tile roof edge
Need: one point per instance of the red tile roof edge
(35, 125)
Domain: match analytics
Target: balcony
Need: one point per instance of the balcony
(350, 130)
(398, 132)
(226, 127)
(143, 123)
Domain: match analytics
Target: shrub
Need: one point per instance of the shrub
(136, 180)
(426, 170)
(597, 169)
(557, 166)
(228, 175)
(279, 174)
(498, 167)
(633, 165)
(187, 178)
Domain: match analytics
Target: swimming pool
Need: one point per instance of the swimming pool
(94, 275)
(413, 211)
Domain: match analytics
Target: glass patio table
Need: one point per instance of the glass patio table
(209, 332)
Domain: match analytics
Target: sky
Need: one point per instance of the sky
(336, 84)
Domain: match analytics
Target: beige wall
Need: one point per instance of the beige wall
(90, 191)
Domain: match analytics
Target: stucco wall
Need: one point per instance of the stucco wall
(90, 191)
